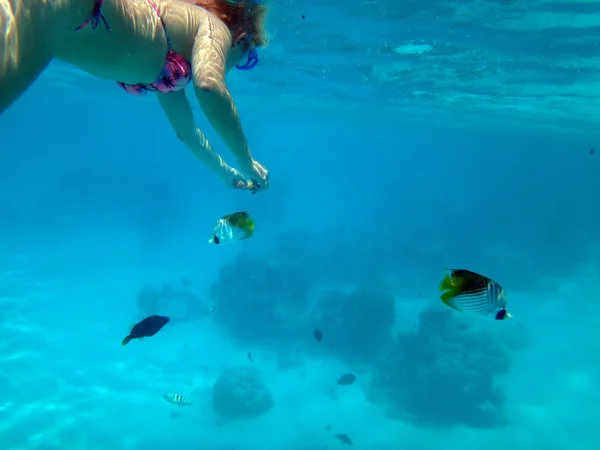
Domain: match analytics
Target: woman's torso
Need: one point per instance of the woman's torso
(135, 50)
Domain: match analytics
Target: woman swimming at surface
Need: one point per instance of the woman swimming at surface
(147, 46)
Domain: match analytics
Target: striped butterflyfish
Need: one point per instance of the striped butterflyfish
(231, 228)
(470, 292)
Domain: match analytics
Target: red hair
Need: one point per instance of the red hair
(243, 17)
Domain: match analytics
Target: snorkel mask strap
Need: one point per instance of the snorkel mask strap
(251, 62)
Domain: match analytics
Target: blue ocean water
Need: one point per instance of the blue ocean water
(402, 138)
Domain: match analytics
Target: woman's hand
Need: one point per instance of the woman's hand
(259, 176)
(237, 180)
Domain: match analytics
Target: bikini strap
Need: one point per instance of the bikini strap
(94, 19)
(163, 24)
(97, 15)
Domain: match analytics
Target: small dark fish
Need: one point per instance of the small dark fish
(344, 438)
(318, 335)
(250, 356)
(346, 380)
(592, 151)
(146, 328)
(303, 16)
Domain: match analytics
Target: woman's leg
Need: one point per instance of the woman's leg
(23, 57)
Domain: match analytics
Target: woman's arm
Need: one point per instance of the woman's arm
(209, 63)
(178, 109)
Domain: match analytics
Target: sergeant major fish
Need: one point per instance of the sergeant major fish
(176, 399)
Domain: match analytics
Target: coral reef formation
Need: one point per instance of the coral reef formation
(443, 374)
(260, 300)
(239, 393)
(358, 325)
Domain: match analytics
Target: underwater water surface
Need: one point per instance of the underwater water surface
(402, 138)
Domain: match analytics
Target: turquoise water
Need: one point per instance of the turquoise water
(402, 138)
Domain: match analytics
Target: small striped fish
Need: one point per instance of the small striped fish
(177, 399)
(231, 228)
(470, 292)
